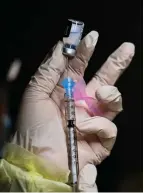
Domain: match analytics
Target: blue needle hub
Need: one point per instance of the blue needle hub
(68, 85)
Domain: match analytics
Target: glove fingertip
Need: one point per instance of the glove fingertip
(91, 39)
(128, 47)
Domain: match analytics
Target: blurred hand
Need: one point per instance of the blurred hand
(42, 127)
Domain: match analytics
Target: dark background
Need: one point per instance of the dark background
(29, 30)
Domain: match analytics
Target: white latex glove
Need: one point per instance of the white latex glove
(41, 124)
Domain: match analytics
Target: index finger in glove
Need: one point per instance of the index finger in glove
(84, 53)
(114, 66)
(49, 72)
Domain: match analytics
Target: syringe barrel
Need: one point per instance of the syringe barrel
(68, 84)
(73, 153)
(69, 109)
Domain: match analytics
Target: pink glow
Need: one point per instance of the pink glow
(80, 94)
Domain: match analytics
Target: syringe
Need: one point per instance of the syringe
(68, 85)
(71, 41)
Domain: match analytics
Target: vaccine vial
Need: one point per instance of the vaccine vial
(72, 37)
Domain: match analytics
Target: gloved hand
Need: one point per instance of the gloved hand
(41, 124)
